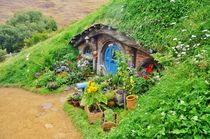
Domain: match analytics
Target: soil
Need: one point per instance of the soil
(26, 115)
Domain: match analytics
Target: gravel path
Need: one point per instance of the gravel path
(26, 115)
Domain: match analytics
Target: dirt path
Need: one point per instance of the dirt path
(25, 115)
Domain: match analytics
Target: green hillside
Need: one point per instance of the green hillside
(177, 106)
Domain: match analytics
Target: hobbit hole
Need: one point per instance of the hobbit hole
(100, 43)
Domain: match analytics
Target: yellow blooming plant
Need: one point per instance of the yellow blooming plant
(92, 88)
(93, 94)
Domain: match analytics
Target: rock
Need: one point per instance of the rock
(67, 88)
(47, 105)
(48, 126)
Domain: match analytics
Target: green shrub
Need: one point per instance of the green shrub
(45, 78)
(35, 38)
(25, 25)
(52, 85)
(2, 55)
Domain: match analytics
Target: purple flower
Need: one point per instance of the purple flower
(131, 65)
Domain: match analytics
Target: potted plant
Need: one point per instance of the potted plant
(76, 97)
(109, 120)
(120, 97)
(93, 96)
(110, 95)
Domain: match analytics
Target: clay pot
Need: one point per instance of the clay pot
(131, 102)
(92, 116)
(108, 125)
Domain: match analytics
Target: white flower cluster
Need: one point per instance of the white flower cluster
(181, 49)
(82, 63)
(195, 118)
(27, 57)
(199, 57)
(172, 0)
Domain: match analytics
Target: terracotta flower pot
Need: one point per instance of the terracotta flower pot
(92, 116)
(108, 125)
(131, 102)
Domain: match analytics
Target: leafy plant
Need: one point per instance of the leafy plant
(45, 78)
(76, 96)
(52, 85)
(2, 55)
(110, 94)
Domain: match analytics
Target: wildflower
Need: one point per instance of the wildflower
(181, 102)
(183, 53)
(184, 30)
(182, 117)
(131, 65)
(173, 23)
(145, 77)
(205, 30)
(207, 35)
(173, 1)
(27, 57)
(193, 36)
(195, 118)
(173, 112)
(174, 39)
(149, 68)
(148, 127)
(163, 113)
(206, 82)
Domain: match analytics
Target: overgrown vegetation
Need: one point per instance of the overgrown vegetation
(177, 106)
(25, 28)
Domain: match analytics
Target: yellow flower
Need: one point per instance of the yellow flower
(89, 82)
(93, 84)
(89, 90)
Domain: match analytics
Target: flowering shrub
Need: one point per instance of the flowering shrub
(85, 66)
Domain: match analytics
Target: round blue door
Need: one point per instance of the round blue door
(110, 58)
